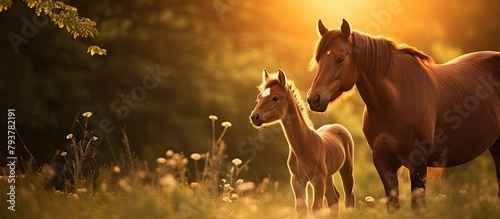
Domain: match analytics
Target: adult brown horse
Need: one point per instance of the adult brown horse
(417, 113)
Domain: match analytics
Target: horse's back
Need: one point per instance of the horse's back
(468, 105)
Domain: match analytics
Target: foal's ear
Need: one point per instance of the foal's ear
(281, 77)
(321, 28)
(265, 75)
(345, 29)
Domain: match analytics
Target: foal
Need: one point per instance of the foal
(314, 155)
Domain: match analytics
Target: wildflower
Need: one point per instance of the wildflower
(195, 156)
(462, 192)
(224, 181)
(117, 169)
(246, 186)
(161, 160)
(171, 163)
(237, 162)
(81, 190)
(87, 114)
(169, 153)
(194, 185)
(69, 136)
(226, 124)
(168, 180)
(239, 181)
(123, 183)
(227, 199)
(212, 117)
(369, 199)
(184, 161)
(95, 138)
(64, 153)
(442, 196)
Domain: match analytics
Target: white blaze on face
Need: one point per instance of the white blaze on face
(266, 92)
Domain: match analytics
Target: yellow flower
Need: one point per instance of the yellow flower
(195, 156)
(237, 161)
(212, 117)
(64, 153)
(69, 136)
(226, 124)
(87, 114)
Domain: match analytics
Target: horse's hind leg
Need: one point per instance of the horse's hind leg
(332, 197)
(495, 153)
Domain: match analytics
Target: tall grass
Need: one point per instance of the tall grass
(128, 188)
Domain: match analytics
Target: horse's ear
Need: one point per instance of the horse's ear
(345, 29)
(281, 77)
(321, 28)
(265, 75)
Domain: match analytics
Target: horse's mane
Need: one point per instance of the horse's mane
(292, 90)
(376, 53)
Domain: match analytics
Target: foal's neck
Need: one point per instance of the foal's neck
(297, 131)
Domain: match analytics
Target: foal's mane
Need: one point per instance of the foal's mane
(292, 91)
(375, 54)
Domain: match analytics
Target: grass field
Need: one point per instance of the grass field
(132, 190)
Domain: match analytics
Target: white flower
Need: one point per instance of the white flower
(95, 138)
(369, 199)
(227, 199)
(195, 156)
(64, 153)
(161, 160)
(87, 114)
(169, 153)
(212, 117)
(462, 192)
(239, 181)
(237, 161)
(226, 124)
(69, 136)
(195, 185)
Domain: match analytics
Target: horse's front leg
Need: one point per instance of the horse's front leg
(299, 186)
(388, 174)
(319, 184)
(417, 165)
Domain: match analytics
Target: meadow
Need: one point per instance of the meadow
(208, 185)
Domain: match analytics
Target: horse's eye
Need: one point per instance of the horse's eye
(340, 59)
(275, 98)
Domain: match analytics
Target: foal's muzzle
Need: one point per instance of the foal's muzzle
(256, 119)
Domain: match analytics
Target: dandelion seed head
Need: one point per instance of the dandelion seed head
(195, 156)
(212, 117)
(369, 199)
(87, 114)
(69, 136)
(237, 161)
(226, 124)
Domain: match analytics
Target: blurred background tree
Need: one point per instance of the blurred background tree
(209, 56)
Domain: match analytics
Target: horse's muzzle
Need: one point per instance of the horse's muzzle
(256, 119)
(315, 103)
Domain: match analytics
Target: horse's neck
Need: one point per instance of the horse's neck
(296, 128)
(374, 91)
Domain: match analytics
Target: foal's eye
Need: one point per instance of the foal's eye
(275, 99)
(340, 59)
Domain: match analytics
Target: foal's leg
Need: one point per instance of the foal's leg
(319, 185)
(332, 197)
(495, 153)
(389, 177)
(346, 173)
(299, 191)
